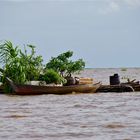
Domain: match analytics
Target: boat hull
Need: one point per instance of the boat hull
(35, 90)
(28, 89)
(115, 88)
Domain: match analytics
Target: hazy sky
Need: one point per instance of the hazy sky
(105, 33)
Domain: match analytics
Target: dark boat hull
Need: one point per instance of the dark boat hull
(115, 88)
(35, 90)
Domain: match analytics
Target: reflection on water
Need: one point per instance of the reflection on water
(108, 116)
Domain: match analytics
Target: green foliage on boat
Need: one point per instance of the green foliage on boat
(19, 65)
(51, 76)
(63, 65)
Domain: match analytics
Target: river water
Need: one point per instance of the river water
(98, 116)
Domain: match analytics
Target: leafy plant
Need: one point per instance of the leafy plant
(75, 67)
(64, 66)
(19, 66)
(8, 52)
(51, 76)
(33, 64)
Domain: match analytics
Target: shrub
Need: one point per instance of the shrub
(51, 76)
(63, 65)
(18, 65)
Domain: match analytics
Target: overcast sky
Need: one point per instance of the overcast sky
(105, 33)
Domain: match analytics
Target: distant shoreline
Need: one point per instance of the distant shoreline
(115, 68)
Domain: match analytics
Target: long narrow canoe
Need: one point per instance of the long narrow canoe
(36, 90)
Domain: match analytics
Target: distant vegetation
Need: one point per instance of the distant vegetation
(123, 69)
(21, 66)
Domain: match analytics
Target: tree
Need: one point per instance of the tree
(75, 67)
(63, 65)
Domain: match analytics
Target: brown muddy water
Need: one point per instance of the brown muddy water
(108, 116)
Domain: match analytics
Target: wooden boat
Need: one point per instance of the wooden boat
(133, 84)
(136, 87)
(36, 90)
(129, 86)
(115, 88)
